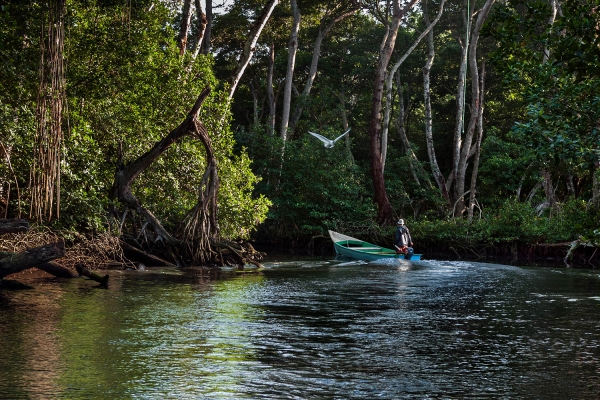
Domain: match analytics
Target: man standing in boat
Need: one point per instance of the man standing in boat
(402, 240)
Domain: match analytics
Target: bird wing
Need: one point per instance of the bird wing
(320, 137)
(342, 135)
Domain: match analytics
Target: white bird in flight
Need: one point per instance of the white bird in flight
(328, 142)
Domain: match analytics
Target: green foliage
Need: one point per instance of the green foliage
(562, 121)
(591, 238)
(315, 188)
(127, 87)
(141, 89)
(515, 163)
(239, 212)
(554, 68)
(407, 197)
(18, 89)
(514, 222)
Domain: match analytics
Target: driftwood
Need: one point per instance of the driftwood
(134, 254)
(38, 257)
(56, 269)
(83, 271)
(30, 258)
(13, 225)
(50, 267)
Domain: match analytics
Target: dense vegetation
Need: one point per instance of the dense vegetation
(531, 170)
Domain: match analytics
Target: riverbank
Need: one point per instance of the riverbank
(106, 252)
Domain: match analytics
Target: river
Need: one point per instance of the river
(307, 329)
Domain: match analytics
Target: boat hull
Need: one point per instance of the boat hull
(356, 249)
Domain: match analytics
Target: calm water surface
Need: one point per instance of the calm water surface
(314, 329)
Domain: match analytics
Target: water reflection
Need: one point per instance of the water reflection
(31, 349)
(309, 328)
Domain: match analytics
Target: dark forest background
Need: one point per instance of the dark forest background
(475, 121)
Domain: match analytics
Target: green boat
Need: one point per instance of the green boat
(357, 249)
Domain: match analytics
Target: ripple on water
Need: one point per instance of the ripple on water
(309, 329)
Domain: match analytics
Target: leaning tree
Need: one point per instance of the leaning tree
(197, 241)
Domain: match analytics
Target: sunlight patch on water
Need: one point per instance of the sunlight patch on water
(296, 264)
(309, 328)
(351, 263)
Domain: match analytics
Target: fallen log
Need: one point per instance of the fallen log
(56, 269)
(50, 267)
(134, 254)
(83, 271)
(30, 258)
(13, 225)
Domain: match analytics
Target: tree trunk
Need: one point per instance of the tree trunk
(460, 106)
(255, 101)
(6, 152)
(207, 32)
(271, 92)
(570, 185)
(250, 45)
(184, 27)
(522, 182)
(595, 200)
(346, 127)
(533, 192)
(462, 148)
(289, 76)
(324, 29)
(389, 82)
(401, 128)
(555, 7)
(18, 262)
(202, 23)
(547, 177)
(126, 174)
(13, 225)
(474, 173)
(435, 169)
(546, 183)
(385, 212)
(548, 191)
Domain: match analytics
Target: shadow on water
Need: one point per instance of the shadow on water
(307, 328)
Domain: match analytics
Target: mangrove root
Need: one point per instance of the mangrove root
(236, 254)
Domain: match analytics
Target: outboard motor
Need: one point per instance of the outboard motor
(410, 253)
